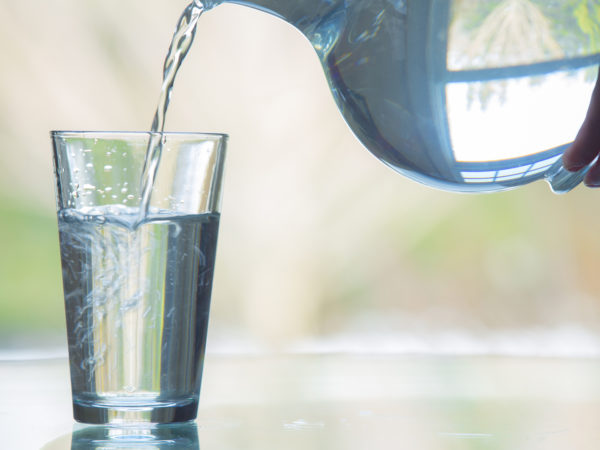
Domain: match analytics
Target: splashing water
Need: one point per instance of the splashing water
(180, 45)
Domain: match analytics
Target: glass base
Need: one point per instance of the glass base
(147, 436)
(155, 412)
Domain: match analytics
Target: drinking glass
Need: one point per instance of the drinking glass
(137, 286)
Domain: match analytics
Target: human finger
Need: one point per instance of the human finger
(592, 177)
(586, 145)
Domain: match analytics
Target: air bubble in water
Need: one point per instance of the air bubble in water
(107, 168)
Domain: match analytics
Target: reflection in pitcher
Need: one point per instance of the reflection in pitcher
(523, 73)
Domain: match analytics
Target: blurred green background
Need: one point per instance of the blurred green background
(321, 246)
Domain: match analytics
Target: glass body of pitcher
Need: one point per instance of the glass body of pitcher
(463, 95)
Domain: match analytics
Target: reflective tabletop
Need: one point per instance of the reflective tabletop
(329, 401)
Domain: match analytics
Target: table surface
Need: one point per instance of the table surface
(305, 401)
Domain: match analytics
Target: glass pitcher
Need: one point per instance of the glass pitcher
(463, 95)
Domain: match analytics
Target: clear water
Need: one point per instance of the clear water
(137, 302)
(181, 42)
(476, 95)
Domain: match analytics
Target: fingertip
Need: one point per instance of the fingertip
(592, 178)
(571, 160)
(573, 167)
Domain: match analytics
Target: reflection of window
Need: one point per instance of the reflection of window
(510, 174)
(518, 32)
(509, 116)
(523, 116)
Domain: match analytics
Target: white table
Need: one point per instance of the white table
(339, 402)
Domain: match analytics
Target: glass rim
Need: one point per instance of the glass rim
(105, 133)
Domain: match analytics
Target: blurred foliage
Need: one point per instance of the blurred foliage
(29, 269)
(316, 236)
(575, 23)
(587, 13)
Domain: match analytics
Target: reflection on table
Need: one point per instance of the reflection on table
(335, 402)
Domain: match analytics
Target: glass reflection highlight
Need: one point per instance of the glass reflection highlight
(148, 437)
